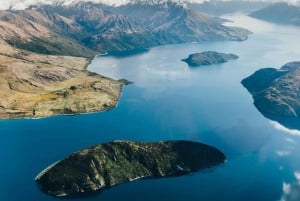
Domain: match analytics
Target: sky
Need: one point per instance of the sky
(21, 4)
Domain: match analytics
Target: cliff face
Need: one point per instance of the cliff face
(107, 165)
(276, 93)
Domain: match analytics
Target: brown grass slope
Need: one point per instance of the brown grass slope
(38, 85)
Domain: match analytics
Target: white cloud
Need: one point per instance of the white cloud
(283, 153)
(297, 176)
(289, 140)
(291, 191)
(284, 129)
(21, 4)
(286, 188)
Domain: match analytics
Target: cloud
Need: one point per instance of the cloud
(291, 191)
(282, 153)
(289, 140)
(297, 176)
(284, 129)
(21, 4)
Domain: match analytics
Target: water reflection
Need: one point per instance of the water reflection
(210, 105)
(280, 127)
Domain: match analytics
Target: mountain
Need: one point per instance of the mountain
(276, 93)
(282, 13)
(107, 165)
(79, 29)
(177, 23)
(217, 8)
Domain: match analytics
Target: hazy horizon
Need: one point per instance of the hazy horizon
(22, 4)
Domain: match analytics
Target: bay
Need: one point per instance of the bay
(169, 100)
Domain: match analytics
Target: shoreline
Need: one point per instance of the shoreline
(74, 114)
(85, 76)
(45, 170)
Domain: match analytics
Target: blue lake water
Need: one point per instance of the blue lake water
(169, 100)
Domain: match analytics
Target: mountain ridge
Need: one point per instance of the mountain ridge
(282, 13)
(86, 28)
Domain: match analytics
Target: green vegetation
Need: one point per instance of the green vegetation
(107, 165)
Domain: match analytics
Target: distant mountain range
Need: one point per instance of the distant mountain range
(217, 8)
(81, 29)
(282, 13)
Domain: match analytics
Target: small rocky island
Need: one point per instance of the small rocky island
(106, 165)
(276, 93)
(208, 58)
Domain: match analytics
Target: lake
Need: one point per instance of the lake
(169, 100)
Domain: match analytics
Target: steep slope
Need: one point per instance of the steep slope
(109, 164)
(78, 30)
(276, 93)
(81, 29)
(282, 13)
(102, 30)
(22, 29)
(176, 23)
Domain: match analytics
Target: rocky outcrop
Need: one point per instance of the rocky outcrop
(276, 93)
(106, 165)
(208, 58)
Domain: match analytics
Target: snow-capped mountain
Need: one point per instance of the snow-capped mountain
(22, 4)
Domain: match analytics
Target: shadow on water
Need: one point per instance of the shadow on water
(76, 196)
(98, 193)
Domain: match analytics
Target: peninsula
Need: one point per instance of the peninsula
(208, 58)
(276, 93)
(106, 165)
(35, 85)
